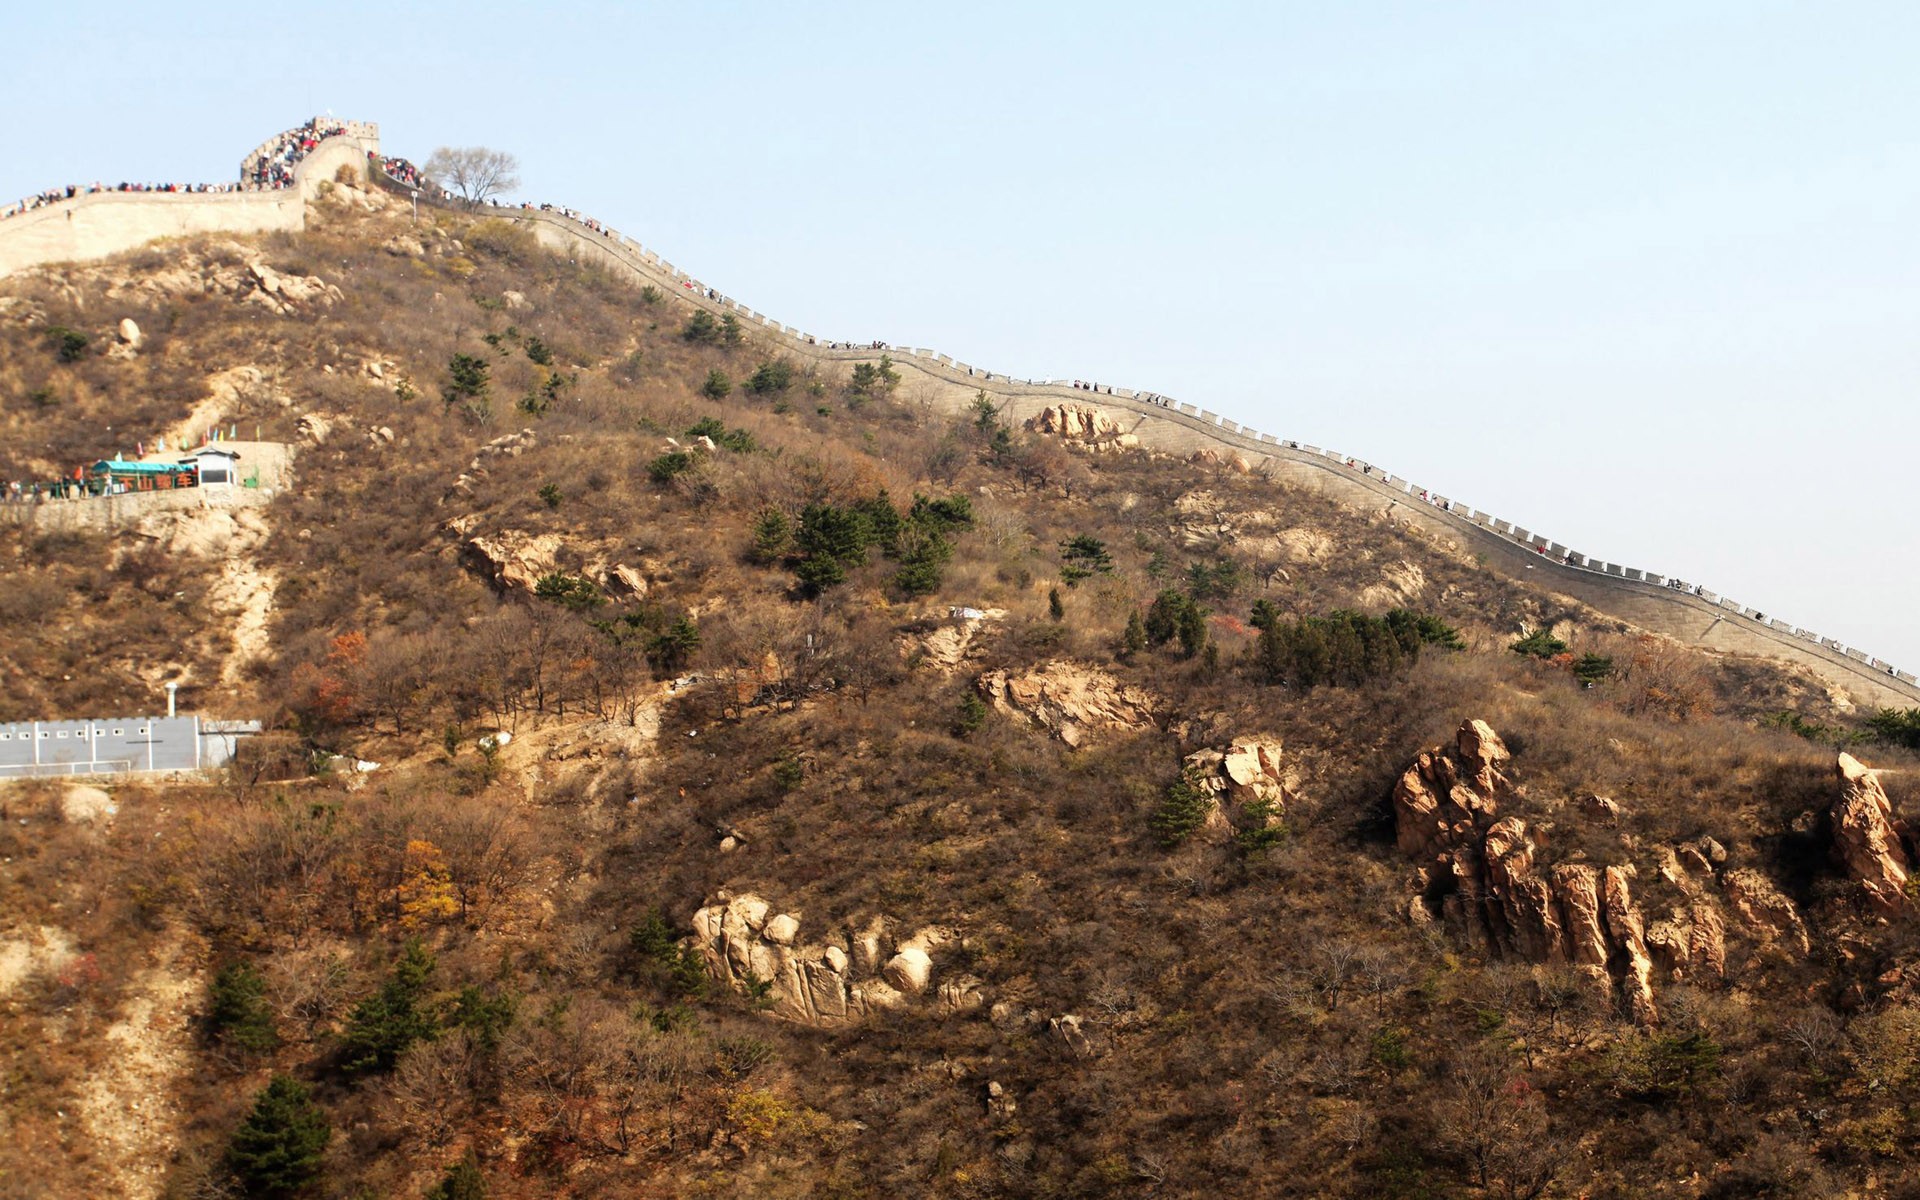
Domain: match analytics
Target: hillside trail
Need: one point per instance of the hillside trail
(128, 1105)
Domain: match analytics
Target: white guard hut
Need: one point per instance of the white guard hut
(215, 467)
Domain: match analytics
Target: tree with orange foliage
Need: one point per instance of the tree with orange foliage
(426, 889)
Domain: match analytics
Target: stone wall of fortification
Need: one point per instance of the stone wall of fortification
(1636, 597)
(100, 225)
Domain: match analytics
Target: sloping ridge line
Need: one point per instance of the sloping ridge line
(1640, 598)
(1706, 621)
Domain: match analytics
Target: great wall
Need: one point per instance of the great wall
(99, 224)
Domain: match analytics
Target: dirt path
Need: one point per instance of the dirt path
(128, 1106)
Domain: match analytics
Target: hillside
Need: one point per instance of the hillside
(909, 791)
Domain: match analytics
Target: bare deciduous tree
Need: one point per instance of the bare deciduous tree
(474, 173)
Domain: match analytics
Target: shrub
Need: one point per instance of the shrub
(1055, 608)
(701, 329)
(278, 1149)
(772, 534)
(672, 464)
(971, 716)
(1162, 624)
(730, 332)
(1901, 727)
(1592, 668)
(832, 539)
(550, 494)
(717, 386)
(539, 352)
(737, 440)
(1217, 580)
(1182, 811)
(673, 647)
(1539, 644)
(663, 961)
(69, 345)
(463, 1182)
(1427, 630)
(649, 295)
(575, 592)
(772, 376)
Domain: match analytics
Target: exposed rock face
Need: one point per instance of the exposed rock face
(1865, 838)
(743, 940)
(1628, 933)
(945, 649)
(1763, 910)
(1070, 700)
(1075, 422)
(1400, 583)
(286, 295)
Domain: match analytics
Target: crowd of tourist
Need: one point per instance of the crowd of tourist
(397, 169)
(58, 195)
(271, 166)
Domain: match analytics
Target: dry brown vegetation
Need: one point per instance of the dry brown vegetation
(1259, 1024)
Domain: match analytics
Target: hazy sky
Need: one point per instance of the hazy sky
(1639, 276)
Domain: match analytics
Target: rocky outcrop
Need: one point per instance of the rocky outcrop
(508, 445)
(1070, 700)
(1443, 799)
(286, 295)
(1250, 788)
(511, 560)
(744, 943)
(1627, 932)
(1479, 872)
(1866, 840)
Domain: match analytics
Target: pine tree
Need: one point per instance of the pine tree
(1134, 640)
(1055, 608)
(463, 1182)
(384, 1024)
(1182, 811)
(772, 534)
(277, 1150)
(237, 1009)
(1192, 628)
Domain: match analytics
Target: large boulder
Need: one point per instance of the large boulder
(1865, 839)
